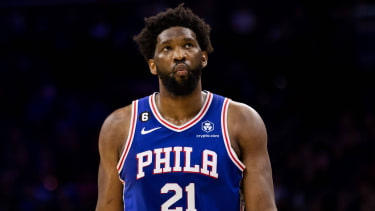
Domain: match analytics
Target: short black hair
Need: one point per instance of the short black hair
(179, 16)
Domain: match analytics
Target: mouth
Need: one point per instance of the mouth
(181, 69)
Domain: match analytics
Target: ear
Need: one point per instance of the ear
(204, 59)
(152, 66)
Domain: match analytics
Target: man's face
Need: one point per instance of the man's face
(178, 60)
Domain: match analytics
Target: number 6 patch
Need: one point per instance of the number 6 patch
(144, 116)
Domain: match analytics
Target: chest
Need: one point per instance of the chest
(191, 152)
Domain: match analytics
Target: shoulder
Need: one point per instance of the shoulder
(245, 125)
(115, 129)
(245, 114)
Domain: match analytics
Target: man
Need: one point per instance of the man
(182, 148)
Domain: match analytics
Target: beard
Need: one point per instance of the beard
(185, 86)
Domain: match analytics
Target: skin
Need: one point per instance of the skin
(246, 129)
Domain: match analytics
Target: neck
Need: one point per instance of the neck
(179, 109)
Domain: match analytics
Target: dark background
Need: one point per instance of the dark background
(308, 68)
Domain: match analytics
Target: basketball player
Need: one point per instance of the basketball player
(183, 149)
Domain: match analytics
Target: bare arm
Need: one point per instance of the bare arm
(249, 140)
(111, 140)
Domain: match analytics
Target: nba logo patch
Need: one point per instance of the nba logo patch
(207, 126)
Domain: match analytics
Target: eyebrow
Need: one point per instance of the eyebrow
(185, 39)
(188, 39)
(165, 42)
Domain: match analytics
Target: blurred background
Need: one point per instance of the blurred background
(307, 68)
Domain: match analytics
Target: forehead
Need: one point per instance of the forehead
(175, 33)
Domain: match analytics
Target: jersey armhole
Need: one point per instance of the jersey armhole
(224, 127)
(129, 140)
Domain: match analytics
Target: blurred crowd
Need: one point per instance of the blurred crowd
(309, 72)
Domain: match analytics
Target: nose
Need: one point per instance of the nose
(179, 55)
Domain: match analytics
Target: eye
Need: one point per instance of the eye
(188, 45)
(166, 48)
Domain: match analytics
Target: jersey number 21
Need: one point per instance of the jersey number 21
(190, 190)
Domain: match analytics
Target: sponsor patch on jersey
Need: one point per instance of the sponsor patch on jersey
(207, 126)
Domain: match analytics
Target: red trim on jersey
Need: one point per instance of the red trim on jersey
(190, 123)
(130, 137)
(122, 181)
(226, 137)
